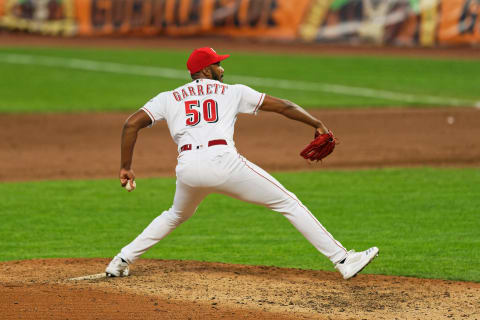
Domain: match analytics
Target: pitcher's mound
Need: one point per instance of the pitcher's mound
(164, 289)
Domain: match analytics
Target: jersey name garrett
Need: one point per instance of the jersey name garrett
(200, 90)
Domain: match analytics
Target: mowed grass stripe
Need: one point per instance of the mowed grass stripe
(100, 80)
(425, 221)
(170, 73)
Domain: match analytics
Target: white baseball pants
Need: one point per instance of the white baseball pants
(220, 169)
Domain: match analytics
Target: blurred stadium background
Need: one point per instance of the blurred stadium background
(423, 23)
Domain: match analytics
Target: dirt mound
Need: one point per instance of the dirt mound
(164, 289)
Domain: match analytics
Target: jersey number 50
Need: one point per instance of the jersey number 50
(210, 111)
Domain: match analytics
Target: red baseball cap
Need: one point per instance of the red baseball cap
(203, 57)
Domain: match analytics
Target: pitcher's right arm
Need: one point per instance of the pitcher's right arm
(134, 123)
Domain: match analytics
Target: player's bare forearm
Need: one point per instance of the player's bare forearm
(134, 123)
(129, 138)
(130, 130)
(292, 111)
(296, 112)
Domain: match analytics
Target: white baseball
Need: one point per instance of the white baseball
(129, 186)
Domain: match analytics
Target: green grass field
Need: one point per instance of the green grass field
(425, 221)
(37, 87)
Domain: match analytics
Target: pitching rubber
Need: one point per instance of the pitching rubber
(90, 277)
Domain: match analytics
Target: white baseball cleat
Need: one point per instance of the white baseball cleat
(355, 262)
(117, 268)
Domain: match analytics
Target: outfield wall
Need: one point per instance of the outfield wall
(380, 22)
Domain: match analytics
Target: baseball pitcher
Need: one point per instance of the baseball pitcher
(201, 117)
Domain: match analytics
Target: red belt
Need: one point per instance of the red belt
(211, 143)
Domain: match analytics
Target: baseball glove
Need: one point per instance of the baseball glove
(320, 147)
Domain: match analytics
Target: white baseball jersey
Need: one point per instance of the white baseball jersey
(203, 110)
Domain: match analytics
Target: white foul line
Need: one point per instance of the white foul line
(169, 73)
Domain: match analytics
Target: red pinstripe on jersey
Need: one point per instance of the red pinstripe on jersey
(149, 113)
(259, 101)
